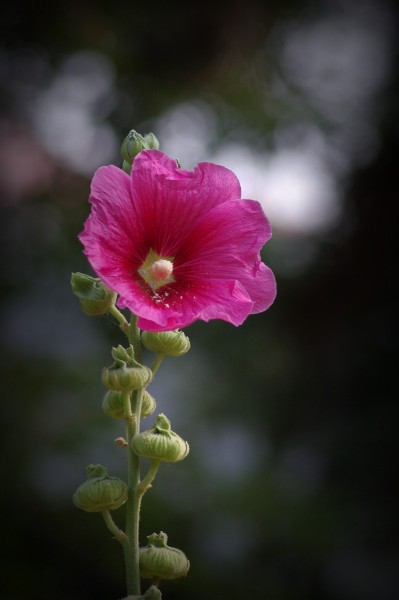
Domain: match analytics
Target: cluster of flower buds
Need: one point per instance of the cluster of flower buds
(100, 492)
(160, 442)
(135, 143)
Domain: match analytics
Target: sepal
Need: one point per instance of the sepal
(113, 404)
(171, 343)
(160, 561)
(94, 297)
(100, 491)
(160, 442)
(126, 373)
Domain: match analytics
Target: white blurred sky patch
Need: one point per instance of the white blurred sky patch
(186, 132)
(69, 116)
(294, 188)
(339, 61)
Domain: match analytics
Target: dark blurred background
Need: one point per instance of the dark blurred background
(289, 492)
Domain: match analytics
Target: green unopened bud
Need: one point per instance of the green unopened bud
(160, 442)
(113, 404)
(148, 404)
(126, 373)
(172, 343)
(153, 593)
(160, 561)
(127, 167)
(132, 145)
(135, 143)
(151, 141)
(100, 491)
(95, 298)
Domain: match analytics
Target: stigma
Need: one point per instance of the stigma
(156, 271)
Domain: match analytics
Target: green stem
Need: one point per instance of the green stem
(123, 324)
(134, 338)
(132, 547)
(110, 523)
(145, 483)
(157, 362)
(133, 503)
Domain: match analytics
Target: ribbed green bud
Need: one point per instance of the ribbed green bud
(160, 442)
(148, 404)
(160, 561)
(135, 143)
(153, 593)
(132, 145)
(151, 141)
(126, 373)
(113, 404)
(100, 491)
(172, 343)
(95, 298)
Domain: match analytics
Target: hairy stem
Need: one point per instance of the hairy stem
(145, 483)
(118, 533)
(131, 547)
(157, 362)
(123, 324)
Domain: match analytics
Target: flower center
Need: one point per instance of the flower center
(156, 271)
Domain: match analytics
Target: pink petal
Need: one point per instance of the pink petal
(260, 284)
(231, 231)
(204, 300)
(113, 238)
(169, 200)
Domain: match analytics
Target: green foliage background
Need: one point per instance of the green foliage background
(289, 492)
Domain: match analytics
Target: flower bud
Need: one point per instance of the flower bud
(95, 298)
(172, 343)
(160, 561)
(135, 143)
(160, 442)
(126, 373)
(113, 404)
(100, 491)
(151, 141)
(132, 145)
(148, 405)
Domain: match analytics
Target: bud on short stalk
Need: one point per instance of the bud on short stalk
(100, 492)
(160, 561)
(113, 404)
(126, 373)
(160, 442)
(171, 343)
(95, 298)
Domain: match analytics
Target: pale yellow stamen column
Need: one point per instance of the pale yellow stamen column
(161, 270)
(157, 271)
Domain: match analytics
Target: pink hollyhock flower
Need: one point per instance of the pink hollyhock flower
(176, 245)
